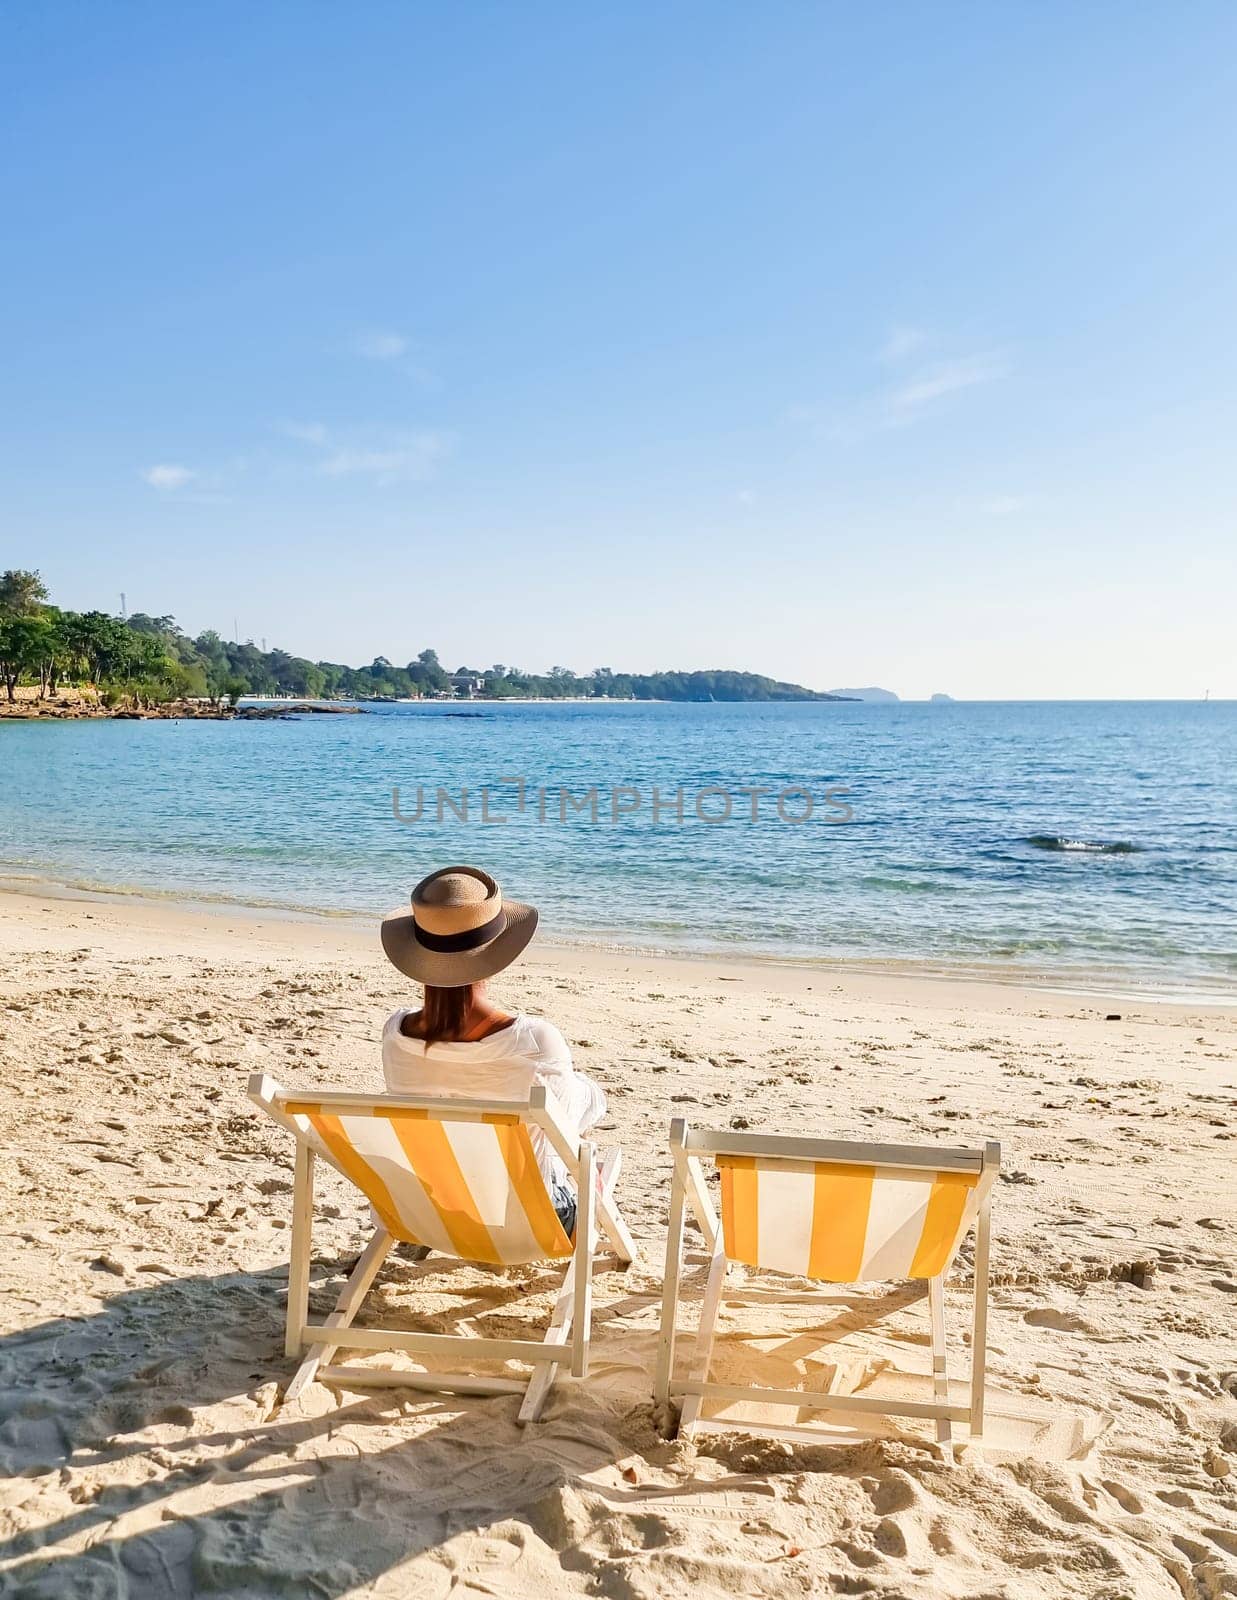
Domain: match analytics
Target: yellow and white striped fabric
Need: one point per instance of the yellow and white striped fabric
(843, 1223)
(467, 1189)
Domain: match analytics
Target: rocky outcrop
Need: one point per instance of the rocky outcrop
(281, 713)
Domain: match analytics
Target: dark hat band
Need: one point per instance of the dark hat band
(470, 939)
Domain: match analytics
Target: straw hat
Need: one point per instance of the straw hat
(459, 930)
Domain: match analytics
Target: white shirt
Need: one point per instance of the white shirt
(504, 1066)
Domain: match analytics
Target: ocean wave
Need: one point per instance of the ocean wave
(1094, 847)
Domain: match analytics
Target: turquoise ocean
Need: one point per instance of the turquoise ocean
(1073, 841)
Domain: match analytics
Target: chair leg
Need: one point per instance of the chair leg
(940, 1360)
(979, 1335)
(670, 1289)
(298, 1267)
(609, 1217)
(703, 1353)
(582, 1289)
(346, 1308)
(698, 1198)
(557, 1334)
(573, 1295)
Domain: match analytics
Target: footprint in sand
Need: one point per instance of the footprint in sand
(1194, 1552)
(892, 1492)
(889, 1538)
(1127, 1501)
(857, 1554)
(1061, 1321)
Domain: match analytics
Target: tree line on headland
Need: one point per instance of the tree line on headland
(149, 661)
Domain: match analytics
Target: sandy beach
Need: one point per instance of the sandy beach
(145, 1449)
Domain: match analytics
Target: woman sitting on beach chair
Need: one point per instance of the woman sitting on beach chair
(474, 1152)
(459, 932)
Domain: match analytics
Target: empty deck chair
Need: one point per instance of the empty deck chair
(838, 1212)
(460, 1177)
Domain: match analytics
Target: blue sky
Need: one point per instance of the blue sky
(889, 344)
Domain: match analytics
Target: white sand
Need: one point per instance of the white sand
(146, 1208)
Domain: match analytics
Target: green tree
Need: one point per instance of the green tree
(26, 645)
(21, 593)
(161, 627)
(97, 642)
(150, 673)
(335, 679)
(428, 674)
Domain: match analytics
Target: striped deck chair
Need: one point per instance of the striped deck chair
(459, 1177)
(838, 1212)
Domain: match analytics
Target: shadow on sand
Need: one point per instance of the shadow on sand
(150, 1460)
(149, 1457)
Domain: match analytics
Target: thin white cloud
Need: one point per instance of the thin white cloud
(1002, 505)
(305, 432)
(901, 342)
(947, 377)
(746, 497)
(383, 456)
(167, 475)
(898, 401)
(411, 456)
(380, 344)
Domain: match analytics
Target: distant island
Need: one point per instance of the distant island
(871, 694)
(941, 700)
(142, 661)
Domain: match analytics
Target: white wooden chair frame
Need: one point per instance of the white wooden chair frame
(566, 1338)
(689, 1189)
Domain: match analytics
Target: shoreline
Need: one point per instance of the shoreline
(881, 978)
